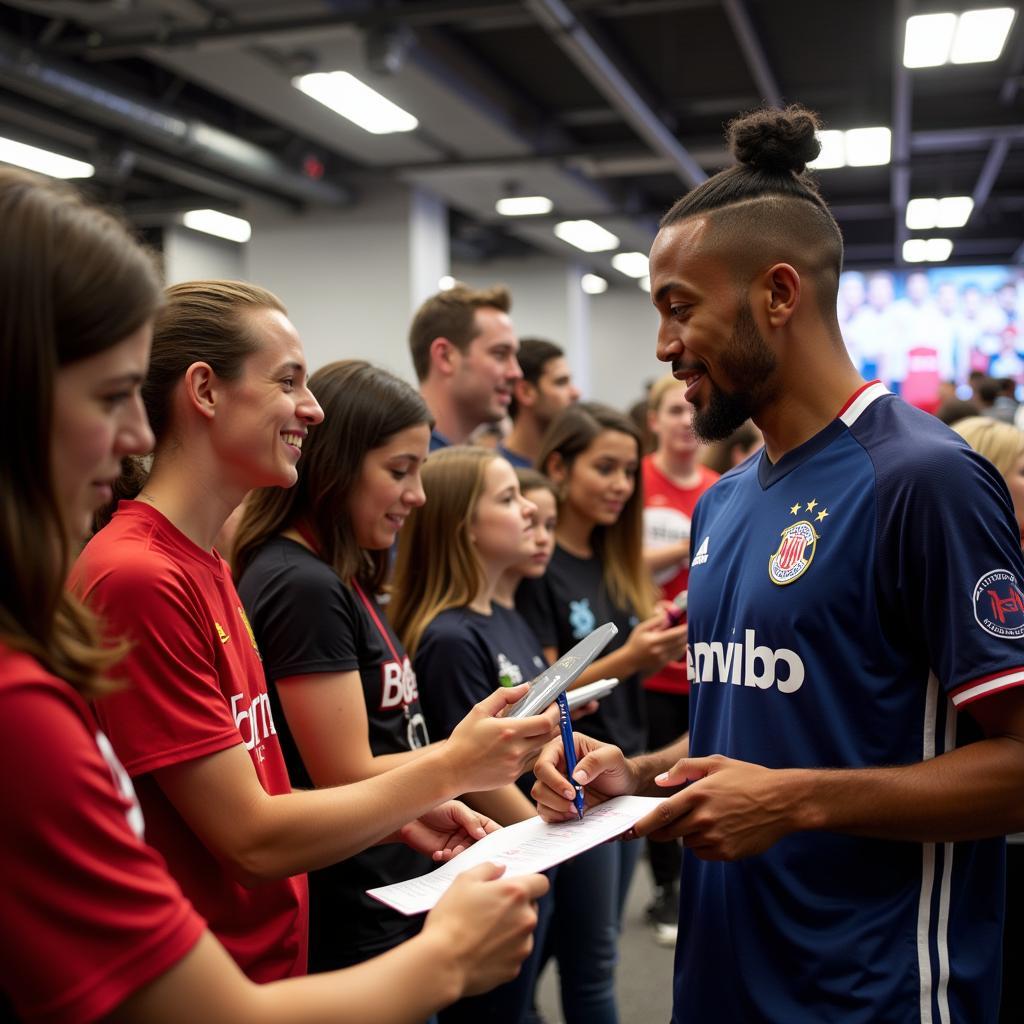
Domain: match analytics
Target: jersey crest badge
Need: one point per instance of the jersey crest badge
(999, 605)
(794, 555)
(224, 637)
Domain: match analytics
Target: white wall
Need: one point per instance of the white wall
(623, 336)
(345, 276)
(192, 256)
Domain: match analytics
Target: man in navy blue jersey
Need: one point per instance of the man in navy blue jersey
(856, 644)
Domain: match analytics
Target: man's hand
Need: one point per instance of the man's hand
(601, 769)
(447, 830)
(730, 809)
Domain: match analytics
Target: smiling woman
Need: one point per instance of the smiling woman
(230, 405)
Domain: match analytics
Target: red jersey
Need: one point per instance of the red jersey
(195, 686)
(667, 512)
(89, 913)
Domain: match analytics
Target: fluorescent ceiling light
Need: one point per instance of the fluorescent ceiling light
(223, 225)
(445, 282)
(868, 147)
(928, 40)
(954, 211)
(980, 35)
(938, 249)
(948, 212)
(645, 283)
(593, 284)
(586, 235)
(632, 264)
(355, 100)
(524, 206)
(833, 151)
(43, 161)
(915, 250)
(858, 147)
(922, 214)
(927, 250)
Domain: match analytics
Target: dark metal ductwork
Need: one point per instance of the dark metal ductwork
(75, 90)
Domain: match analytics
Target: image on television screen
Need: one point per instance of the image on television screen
(916, 330)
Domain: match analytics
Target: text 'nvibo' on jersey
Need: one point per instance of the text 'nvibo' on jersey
(745, 664)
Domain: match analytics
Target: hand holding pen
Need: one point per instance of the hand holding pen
(569, 746)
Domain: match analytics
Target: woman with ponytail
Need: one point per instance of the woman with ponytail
(95, 926)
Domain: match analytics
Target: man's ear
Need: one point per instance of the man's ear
(780, 294)
(444, 357)
(525, 392)
(202, 389)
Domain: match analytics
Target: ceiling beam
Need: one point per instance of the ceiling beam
(750, 44)
(583, 49)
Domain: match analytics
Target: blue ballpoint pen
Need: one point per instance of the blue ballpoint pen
(569, 746)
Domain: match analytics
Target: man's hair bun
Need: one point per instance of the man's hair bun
(775, 140)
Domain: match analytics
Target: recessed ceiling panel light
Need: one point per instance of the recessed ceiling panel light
(928, 40)
(867, 147)
(980, 35)
(954, 211)
(347, 95)
(938, 250)
(586, 235)
(915, 250)
(833, 151)
(524, 206)
(922, 214)
(223, 225)
(645, 283)
(632, 264)
(593, 284)
(446, 282)
(43, 161)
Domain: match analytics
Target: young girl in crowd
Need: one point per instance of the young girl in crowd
(462, 642)
(310, 560)
(597, 575)
(673, 480)
(98, 929)
(227, 397)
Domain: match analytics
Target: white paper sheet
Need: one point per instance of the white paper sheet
(524, 848)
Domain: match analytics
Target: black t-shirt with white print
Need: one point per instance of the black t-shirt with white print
(563, 606)
(308, 622)
(465, 655)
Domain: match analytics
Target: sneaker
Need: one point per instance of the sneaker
(663, 914)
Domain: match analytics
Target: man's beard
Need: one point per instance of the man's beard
(750, 364)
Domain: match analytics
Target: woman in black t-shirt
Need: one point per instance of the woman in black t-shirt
(474, 526)
(309, 562)
(592, 455)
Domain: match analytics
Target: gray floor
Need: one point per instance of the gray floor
(644, 976)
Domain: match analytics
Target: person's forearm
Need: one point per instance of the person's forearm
(406, 985)
(303, 831)
(505, 805)
(647, 767)
(656, 559)
(970, 793)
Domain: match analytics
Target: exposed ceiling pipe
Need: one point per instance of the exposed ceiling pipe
(588, 55)
(750, 44)
(71, 88)
(997, 153)
(902, 91)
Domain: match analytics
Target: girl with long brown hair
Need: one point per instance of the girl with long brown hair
(97, 927)
(310, 561)
(229, 401)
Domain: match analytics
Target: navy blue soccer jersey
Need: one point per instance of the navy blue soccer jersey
(844, 604)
